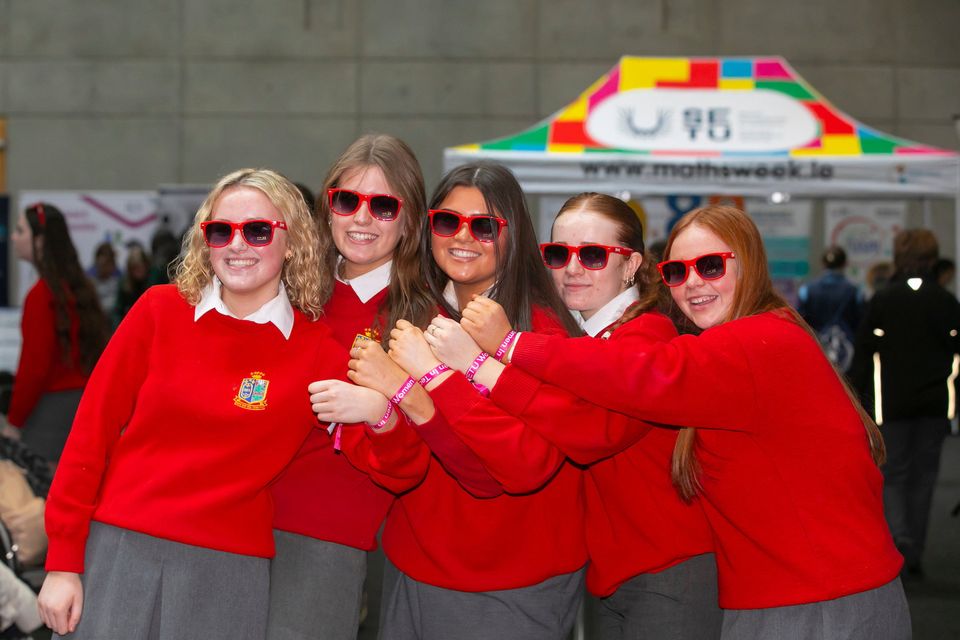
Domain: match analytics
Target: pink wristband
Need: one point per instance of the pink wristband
(504, 346)
(433, 373)
(403, 391)
(475, 365)
(385, 419)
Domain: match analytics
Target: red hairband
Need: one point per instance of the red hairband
(41, 215)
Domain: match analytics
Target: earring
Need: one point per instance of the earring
(629, 282)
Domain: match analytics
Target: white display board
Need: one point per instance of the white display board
(865, 229)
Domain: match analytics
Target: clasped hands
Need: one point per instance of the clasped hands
(377, 374)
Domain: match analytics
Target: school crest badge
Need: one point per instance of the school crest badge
(253, 392)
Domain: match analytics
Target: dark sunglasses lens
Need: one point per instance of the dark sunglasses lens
(674, 273)
(218, 234)
(710, 267)
(444, 224)
(344, 202)
(384, 207)
(257, 234)
(484, 228)
(555, 256)
(593, 257)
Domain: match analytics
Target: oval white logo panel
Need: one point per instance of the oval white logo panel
(699, 120)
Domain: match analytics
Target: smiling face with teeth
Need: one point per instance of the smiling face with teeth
(250, 275)
(469, 263)
(706, 302)
(364, 241)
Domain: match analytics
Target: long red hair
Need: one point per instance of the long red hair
(753, 294)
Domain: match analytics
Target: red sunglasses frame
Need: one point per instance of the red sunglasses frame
(361, 198)
(692, 264)
(571, 249)
(238, 226)
(501, 223)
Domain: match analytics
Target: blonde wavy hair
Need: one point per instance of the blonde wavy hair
(306, 275)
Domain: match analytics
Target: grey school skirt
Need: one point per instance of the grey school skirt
(138, 587)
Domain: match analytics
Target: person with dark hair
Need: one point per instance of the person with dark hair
(105, 276)
(134, 281)
(651, 553)
(370, 216)
(164, 249)
(786, 471)
(308, 197)
(466, 562)
(906, 364)
(833, 307)
(64, 332)
(945, 271)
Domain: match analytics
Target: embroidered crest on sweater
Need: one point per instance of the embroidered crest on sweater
(253, 392)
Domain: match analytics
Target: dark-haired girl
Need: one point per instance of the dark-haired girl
(64, 332)
(506, 565)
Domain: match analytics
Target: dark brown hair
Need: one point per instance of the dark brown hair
(653, 295)
(915, 252)
(56, 261)
(407, 297)
(754, 294)
(522, 281)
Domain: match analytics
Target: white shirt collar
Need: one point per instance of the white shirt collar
(277, 311)
(608, 313)
(369, 284)
(450, 295)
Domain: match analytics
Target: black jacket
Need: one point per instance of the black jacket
(909, 336)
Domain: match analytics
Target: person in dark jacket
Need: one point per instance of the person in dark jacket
(905, 367)
(833, 306)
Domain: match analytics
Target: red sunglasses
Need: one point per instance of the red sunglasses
(256, 233)
(484, 228)
(710, 266)
(556, 255)
(382, 206)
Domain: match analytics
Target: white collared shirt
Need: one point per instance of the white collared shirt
(450, 295)
(277, 311)
(369, 284)
(608, 313)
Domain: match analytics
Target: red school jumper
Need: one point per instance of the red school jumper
(440, 534)
(321, 495)
(41, 368)
(636, 522)
(789, 487)
(183, 425)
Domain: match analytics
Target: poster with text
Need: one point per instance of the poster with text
(865, 229)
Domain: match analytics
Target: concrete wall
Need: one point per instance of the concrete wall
(127, 94)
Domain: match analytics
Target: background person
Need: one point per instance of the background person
(833, 307)
(907, 359)
(64, 332)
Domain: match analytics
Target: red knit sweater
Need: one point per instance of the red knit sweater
(440, 534)
(636, 522)
(172, 437)
(41, 367)
(352, 507)
(789, 487)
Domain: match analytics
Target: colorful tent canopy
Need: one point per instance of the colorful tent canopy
(740, 126)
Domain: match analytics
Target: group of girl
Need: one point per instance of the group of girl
(715, 485)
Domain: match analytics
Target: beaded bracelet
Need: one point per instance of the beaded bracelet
(504, 346)
(475, 365)
(433, 373)
(384, 420)
(403, 391)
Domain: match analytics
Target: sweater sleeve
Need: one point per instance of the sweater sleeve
(39, 348)
(397, 459)
(457, 459)
(104, 411)
(697, 381)
(518, 457)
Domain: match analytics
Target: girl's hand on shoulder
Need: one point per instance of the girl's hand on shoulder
(486, 322)
(346, 403)
(410, 350)
(451, 343)
(61, 601)
(371, 367)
